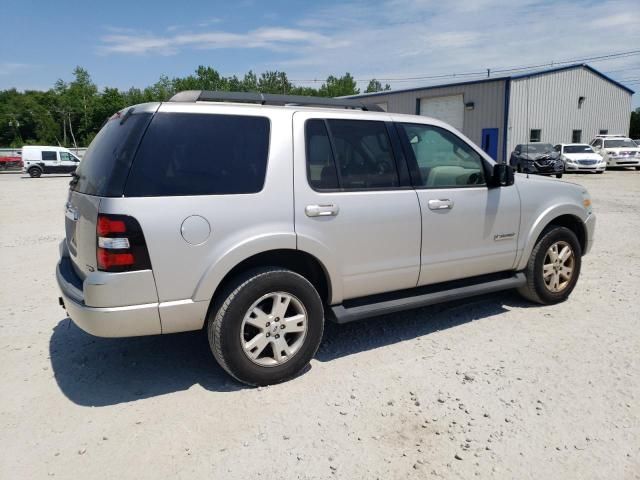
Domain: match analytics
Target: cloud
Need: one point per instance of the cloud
(272, 38)
(392, 39)
(9, 68)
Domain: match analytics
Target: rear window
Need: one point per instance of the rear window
(200, 154)
(105, 165)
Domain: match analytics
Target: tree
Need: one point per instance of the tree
(376, 86)
(339, 86)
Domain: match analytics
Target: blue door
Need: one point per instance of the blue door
(490, 142)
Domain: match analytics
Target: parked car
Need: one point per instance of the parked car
(538, 158)
(617, 151)
(38, 160)
(580, 157)
(259, 219)
(10, 159)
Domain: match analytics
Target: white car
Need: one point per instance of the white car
(617, 151)
(580, 157)
(38, 160)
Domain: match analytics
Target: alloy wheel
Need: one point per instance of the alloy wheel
(558, 266)
(273, 329)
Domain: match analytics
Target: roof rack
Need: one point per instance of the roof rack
(271, 99)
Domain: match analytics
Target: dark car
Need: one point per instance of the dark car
(540, 158)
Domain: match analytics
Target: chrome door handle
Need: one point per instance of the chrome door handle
(325, 210)
(441, 204)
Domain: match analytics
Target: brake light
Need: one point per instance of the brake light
(107, 225)
(121, 246)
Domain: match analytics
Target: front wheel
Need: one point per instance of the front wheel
(267, 326)
(554, 266)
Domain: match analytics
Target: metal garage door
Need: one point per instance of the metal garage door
(449, 109)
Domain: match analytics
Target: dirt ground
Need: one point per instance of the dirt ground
(492, 387)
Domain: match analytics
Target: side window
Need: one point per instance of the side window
(200, 154)
(49, 156)
(321, 166)
(442, 159)
(363, 154)
(597, 143)
(67, 157)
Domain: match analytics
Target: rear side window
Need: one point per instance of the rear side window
(200, 154)
(49, 156)
(321, 167)
(105, 165)
(349, 155)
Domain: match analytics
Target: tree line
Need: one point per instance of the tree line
(71, 113)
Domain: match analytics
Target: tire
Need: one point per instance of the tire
(231, 328)
(34, 172)
(599, 173)
(637, 168)
(558, 175)
(536, 288)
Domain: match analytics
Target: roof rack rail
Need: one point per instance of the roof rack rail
(271, 99)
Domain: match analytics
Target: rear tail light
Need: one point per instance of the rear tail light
(121, 246)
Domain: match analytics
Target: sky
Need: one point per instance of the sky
(131, 43)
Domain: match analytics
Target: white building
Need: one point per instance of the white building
(564, 104)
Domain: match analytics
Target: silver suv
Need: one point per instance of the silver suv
(257, 217)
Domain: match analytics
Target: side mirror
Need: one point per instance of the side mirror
(502, 175)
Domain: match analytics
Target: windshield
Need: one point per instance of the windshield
(537, 148)
(578, 149)
(619, 143)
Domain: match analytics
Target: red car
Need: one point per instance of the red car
(8, 162)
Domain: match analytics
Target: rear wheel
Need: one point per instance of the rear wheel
(266, 326)
(34, 172)
(554, 266)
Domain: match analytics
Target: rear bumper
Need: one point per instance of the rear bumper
(590, 227)
(125, 321)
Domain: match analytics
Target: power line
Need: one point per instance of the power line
(512, 69)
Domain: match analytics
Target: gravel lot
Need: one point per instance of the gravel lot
(492, 387)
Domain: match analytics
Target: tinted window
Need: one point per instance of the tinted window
(443, 159)
(105, 165)
(46, 155)
(197, 154)
(321, 167)
(363, 154)
(597, 143)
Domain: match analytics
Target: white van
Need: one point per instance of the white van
(37, 160)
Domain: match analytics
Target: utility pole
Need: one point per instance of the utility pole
(488, 72)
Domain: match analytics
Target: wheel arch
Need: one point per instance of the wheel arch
(568, 216)
(295, 260)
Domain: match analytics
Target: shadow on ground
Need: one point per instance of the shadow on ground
(94, 371)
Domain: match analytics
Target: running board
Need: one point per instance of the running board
(413, 298)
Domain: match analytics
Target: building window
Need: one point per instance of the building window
(576, 136)
(603, 132)
(580, 102)
(535, 135)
